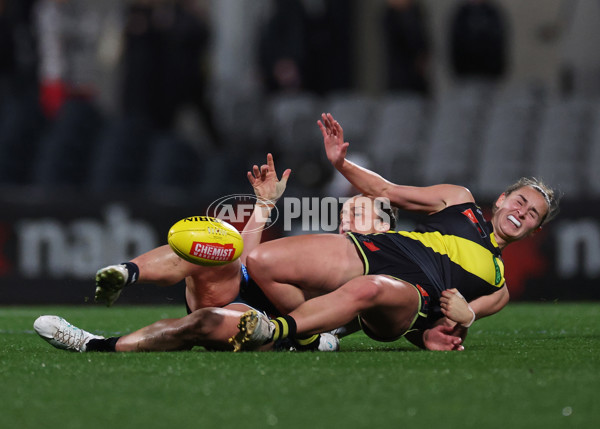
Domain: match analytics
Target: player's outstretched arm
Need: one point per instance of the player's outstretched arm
(268, 189)
(429, 199)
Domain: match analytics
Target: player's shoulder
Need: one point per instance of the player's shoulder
(458, 195)
(450, 196)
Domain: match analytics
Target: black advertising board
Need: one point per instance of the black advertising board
(50, 249)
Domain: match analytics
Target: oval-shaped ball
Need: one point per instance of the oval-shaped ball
(205, 240)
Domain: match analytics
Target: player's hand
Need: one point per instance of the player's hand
(267, 187)
(456, 308)
(443, 337)
(333, 138)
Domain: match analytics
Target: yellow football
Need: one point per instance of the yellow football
(205, 240)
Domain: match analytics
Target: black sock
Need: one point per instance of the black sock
(285, 327)
(134, 272)
(102, 345)
(308, 343)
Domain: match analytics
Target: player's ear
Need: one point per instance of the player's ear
(534, 231)
(500, 200)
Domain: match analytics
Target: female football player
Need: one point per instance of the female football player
(216, 296)
(395, 282)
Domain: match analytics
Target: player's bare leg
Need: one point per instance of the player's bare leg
(209, 327)
(161, 266)
(293, 269)
(205, 286)
(386, 306)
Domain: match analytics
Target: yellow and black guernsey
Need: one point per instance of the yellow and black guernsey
(454, 248)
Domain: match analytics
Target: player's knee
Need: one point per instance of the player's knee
(365, 291)
(201, 323)
(257, 262)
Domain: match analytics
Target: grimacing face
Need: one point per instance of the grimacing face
(518, 214)
(358, 214)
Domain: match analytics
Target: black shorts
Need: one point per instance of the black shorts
(420, 321)
(251, 295)
(381, 255)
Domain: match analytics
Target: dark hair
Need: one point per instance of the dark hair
(551, 196)
(383, 209)
(386, 212)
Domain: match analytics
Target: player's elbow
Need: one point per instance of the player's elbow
(504, 298)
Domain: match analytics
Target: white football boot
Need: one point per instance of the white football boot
(255, 329)
(61, 334)
(110, 281)
(328, 343)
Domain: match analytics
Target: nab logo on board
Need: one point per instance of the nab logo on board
(50, 247)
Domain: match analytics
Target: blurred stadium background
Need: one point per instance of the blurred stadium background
(117, 118)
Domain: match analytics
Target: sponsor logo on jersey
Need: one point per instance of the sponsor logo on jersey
(212, 251)
(471, 216)
(421, 290)
(369, 245)
(498, 278)
(425, 302)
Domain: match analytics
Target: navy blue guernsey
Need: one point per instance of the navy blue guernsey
(454, 248)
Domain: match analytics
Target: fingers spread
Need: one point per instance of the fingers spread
(270, 162)
(285, 176)
(264, 169)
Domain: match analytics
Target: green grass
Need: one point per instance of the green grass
(531, 366)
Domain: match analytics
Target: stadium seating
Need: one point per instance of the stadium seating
(120, 156)
(241, 120)
(295, 139)
(397, 137)
(355, 112)
(558, 150)
(591, 172)
(292, 119)
(475, 135)
(453, 142)
(173, 166)
(64, 154)
(506, 142)
(21, 128)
